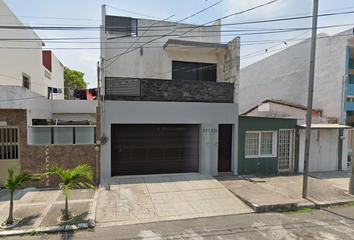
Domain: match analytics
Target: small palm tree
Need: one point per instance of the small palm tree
(13, 183)
(80, 176)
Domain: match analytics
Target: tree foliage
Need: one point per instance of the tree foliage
(78, 177)
(74, 79)
(13, 182)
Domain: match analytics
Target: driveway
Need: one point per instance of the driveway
(150, 198)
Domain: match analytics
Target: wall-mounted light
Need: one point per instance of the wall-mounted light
(97, 148)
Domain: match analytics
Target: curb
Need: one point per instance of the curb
(54, 229)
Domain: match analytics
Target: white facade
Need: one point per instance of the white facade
(324, 150)
(284, 75)
(150, 55)
(206, 115)
(24, 58)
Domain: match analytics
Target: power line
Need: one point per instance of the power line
(234, 14)
(127, 51)
(70, 28)
(133, 12)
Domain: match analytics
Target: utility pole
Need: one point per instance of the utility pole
(310, 97)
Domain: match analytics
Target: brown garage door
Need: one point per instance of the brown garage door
(154, 148)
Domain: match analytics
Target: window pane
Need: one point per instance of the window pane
(267, 143)
(63, 135)
(85, 135)
(40, 136)
(252, 144)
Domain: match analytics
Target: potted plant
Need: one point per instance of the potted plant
(13, 183)
(78, 177)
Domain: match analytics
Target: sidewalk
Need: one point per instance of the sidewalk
(40, 209)
(269, 193)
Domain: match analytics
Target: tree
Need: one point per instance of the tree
(13, 183)
(80, 176)
(74, 79)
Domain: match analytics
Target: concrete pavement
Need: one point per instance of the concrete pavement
(150, 198)
(329, 224)
(269, 193)
(40, 209)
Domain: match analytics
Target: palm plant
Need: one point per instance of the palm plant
(13, 183)
(78, 177)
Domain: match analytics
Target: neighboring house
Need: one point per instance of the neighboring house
(35, 120)
(281, 109)
(267, 145)
(170, 98)
(284, 76)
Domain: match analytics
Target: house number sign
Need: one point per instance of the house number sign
(210, 130)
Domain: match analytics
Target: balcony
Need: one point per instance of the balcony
(130, 89)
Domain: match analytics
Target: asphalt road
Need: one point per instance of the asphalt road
(332, 223)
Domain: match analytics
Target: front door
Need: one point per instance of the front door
(225, 144)
(286, 150)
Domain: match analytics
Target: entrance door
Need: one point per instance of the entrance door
(286, 150)
(225, 146)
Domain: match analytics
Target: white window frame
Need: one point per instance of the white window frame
(274, 145)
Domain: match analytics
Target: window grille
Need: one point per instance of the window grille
(9, 143)
(260, 144)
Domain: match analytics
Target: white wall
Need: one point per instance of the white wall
(155, 61)
(323, 150)
(16, 97)
(75, 110)
(57, 77)
(284, 75)
(207, 115)
(280, 111)
(13, 61)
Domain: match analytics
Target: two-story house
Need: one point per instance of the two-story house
(36, 124)
(170, 98)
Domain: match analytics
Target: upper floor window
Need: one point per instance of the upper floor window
(26, 81)
(193, 71)
(122, 26)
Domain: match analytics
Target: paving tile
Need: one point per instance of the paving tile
(221, 193)
(155, 188)
(193, 195)
(176, 197)
(229, 203)
(216, 205)
(142, 211)
(183, 208)
(165, 209)
(207, 194)
(158, 198)
(139, 189)
(142, 199)
(201, 206)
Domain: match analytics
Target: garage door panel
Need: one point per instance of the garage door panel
(154, 148)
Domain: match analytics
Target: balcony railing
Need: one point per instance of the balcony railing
(126, 89)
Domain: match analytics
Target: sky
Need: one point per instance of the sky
(258, 40)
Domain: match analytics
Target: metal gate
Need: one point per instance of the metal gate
(286, 150)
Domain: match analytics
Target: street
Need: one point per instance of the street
(331, 223)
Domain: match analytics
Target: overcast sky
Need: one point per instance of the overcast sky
(253, 47)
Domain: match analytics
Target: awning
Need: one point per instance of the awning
(181, 45)
(326, 126)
